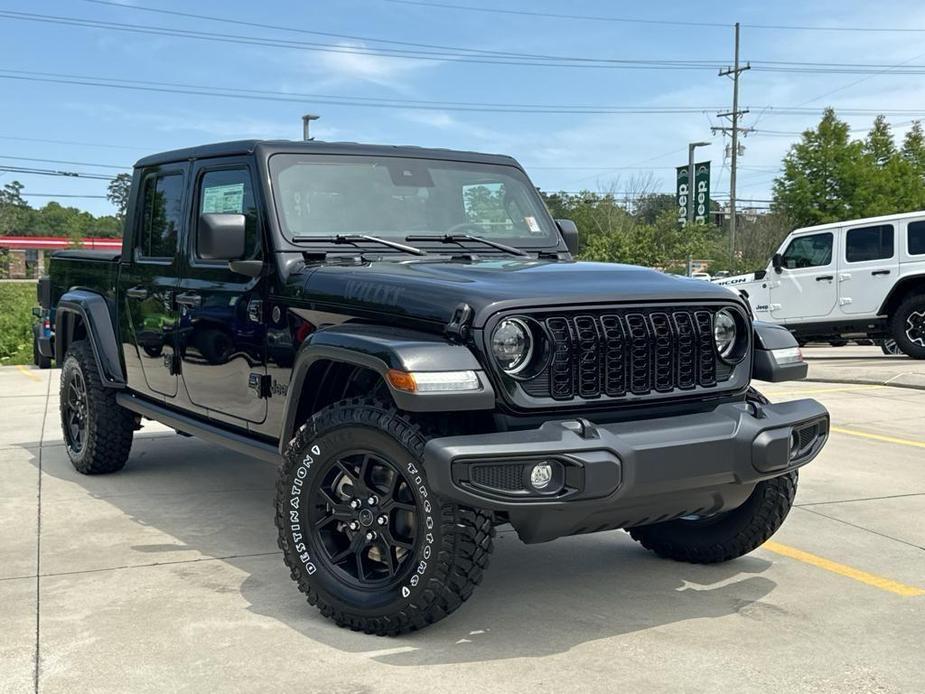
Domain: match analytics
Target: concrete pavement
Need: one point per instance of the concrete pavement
(855, 364)
(166, 577)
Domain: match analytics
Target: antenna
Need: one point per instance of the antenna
(306, 119)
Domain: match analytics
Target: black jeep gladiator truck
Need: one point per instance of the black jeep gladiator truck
(406, 332)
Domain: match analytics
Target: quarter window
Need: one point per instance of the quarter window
(161, 218)
(808, 251)
(869, 243)
(230, 191)
(916, 232)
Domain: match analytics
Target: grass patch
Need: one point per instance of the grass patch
(16, 302)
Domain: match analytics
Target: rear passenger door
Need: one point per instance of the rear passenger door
(223, 333)
(148, 282)
(867, 268)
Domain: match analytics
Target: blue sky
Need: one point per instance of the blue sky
(561, 151)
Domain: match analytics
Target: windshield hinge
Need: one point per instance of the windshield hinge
(458, 327)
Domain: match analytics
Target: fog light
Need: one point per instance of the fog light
(541, 475)
(794, 444)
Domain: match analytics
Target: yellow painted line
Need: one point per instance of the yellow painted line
(880, 582)
(28, 373)
(879, 437)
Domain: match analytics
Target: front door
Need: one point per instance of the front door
(222, 334)
(805, 288)
(148, 282)
(868, 268)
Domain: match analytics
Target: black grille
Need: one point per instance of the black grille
(508, 478)
(616, 352)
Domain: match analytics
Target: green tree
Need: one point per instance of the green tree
(822, 174)
(118, 193)
(913, 149)
(14, 211)
(879, 144)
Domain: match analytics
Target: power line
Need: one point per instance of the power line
(63, 161)
(416, 54)
(351, 37)
(637, 20)
(19, 138)
(556, 15)
(60, 195)
(51, 172)
(265, 95)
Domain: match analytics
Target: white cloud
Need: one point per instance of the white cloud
(350, 63)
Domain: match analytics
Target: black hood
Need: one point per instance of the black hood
(429, 290)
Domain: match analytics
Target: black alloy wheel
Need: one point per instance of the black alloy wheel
(365, 536)
(76, 411)
(364, 519)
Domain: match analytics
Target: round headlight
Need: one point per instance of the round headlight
(724, 332)
(512, 345)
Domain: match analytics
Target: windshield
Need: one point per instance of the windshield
(394, 197)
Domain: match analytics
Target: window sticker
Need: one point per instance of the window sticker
(228, 199)
(532, 225)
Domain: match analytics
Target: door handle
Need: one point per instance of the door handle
(880, 272)
(824, 277)
(189, 299)
(136, 293)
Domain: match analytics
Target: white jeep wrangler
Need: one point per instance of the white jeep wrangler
(863, 278)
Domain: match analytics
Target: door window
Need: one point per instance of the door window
(808, 251)
(230, 191)
(916, 232)
(869, 243)
(161, 217)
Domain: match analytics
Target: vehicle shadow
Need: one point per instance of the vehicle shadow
(534, 601)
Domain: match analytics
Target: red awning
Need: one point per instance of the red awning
(53, 243)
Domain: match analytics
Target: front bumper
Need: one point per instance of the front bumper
(629, 473)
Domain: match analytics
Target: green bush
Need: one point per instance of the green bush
(16, 302)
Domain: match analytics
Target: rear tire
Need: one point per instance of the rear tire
(888, 346)
(907, 325)
(727, 535)
(97, 431)
(401, 558)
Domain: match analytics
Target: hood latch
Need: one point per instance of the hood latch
(458, 327)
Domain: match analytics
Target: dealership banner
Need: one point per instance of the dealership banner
(696, 193)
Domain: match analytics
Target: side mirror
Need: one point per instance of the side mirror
(569, 234)
(778, 263)
(221, 236)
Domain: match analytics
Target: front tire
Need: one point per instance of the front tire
(907, 325)
(363, 534)
(97, 430)
(727, 535)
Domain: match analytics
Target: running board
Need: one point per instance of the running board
(200, 429)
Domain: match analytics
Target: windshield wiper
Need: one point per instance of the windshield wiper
(458, 238)
(354, 239)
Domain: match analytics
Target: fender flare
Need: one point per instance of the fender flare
(91, 308)
(380, 348)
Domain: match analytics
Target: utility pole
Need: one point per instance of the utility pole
(733, 115)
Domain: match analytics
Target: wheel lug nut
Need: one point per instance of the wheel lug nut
(382, 520)
(371, 535)
(353, 525)
(354, 503)
(373, 500)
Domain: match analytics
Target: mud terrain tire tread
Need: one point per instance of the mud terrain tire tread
(467, 533)
(741, 530)
(110, 426)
